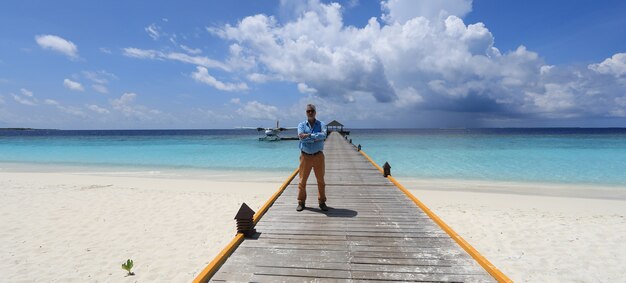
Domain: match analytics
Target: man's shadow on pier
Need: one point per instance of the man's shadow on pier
(334, 212)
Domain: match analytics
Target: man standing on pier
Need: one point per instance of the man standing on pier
(312, 134)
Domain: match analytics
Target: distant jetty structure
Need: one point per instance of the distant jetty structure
(335, 126)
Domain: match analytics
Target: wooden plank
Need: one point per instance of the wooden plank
(288, 217)
(294, 279)
(231, 276)
(361, 216)
(376, 208)
(277, 262)
(410, 261)
(331, 256)
(361, 219)
(429, 242)
(342, 231)
(302, 272)
(342, 226)
(412, 269)
(291, 274)
(380, 246)
(285, 246)
(253, 257)
(407, 253)
(368, 251)
(351, 224)
(417, 277)
(348, 227)
(361, 234)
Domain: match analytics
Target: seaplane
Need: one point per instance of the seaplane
(271, 134)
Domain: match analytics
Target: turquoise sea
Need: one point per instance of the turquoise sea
(569, 155)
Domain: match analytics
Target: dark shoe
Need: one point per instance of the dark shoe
(300, 207)
(323, 206)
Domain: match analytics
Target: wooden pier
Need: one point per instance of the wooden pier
(373, 231)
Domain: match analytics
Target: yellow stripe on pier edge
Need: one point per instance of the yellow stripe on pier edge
(488, 266)
(208, 271)
(217, 262)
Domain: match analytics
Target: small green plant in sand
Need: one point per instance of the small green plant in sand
(128, 266)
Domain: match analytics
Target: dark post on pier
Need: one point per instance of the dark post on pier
(375, 230)
(245, 222)
(386, 170)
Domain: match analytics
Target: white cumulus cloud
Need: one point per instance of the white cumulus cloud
(140, 53)
(196, 60)
(125, 105)
(23, 101)
(58, 44)
(27, 97)
(73, 85)
(98, 109)
(421, 58)
(100, 77)
(126, 99)
(259, 111)
(70, 110)
(202, 75)
(51, 102)
(303, 88)
(615, 65)
(555, 98)
(26, 92)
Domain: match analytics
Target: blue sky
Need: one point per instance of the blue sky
(395, 63)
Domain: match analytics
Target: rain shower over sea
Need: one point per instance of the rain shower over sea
(551, 155)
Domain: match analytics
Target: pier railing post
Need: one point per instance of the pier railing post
(358, 148)
(245, 223)
(386, 170)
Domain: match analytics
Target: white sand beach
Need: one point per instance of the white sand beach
(79, 225)
(536, 232)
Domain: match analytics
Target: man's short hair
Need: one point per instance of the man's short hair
(311, 105)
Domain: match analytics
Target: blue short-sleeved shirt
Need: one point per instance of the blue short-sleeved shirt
(315, 142)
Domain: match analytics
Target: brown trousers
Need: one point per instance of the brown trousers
(315, 162)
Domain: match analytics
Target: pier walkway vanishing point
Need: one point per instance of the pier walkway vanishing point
(372, 232)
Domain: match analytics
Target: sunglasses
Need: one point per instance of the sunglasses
(310, 111)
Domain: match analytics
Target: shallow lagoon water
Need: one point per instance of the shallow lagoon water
(588, 156)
